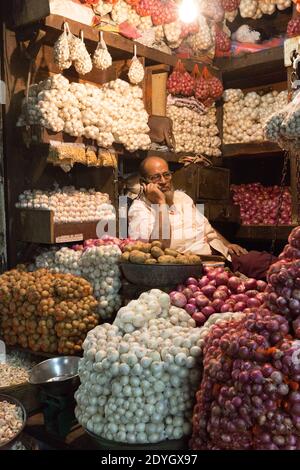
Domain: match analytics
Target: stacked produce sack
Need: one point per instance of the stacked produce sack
(46, 312)
(205, 87)
(139, 375)
(97, 263)
(113, 113)
(249, 396)
(245, 114)
(195, 132)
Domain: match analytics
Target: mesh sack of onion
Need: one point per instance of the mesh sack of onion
(249, 396)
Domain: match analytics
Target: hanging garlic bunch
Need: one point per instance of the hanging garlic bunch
(136, 70)
(248, 8)
(120, 11)
(103, 8)
(283, 4)
(62, 50)
(172, 31)
(267, 7)
(83, 63)
(203, 39)
(231, 15)
(102, 58)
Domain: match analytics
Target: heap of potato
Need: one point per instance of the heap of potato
(153, 253)
(46, 312)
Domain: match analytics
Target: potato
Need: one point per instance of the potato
(151, 261)
(181, 259)
(165, 259)
(170, 252)
(145, 247)
(156, 243)
(194, 259)
(125, 256)
(137, 257)
(156, 252)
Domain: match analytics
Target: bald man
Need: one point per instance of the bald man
(172, 217)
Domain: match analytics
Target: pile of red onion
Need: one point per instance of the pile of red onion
(283, 291)
(293, 28)
(105, 240)
(145, 7)
(164, 12)
(249, 397)
(218, 291)
(230, 5)
(223, 42)
(180, 82)
(259, 204)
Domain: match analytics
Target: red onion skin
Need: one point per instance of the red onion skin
(208, 311)
(178, 299)
(233, 283)
(188, 293)
(202, 301)
(199, 318)
(208, 291)
(191, 280)
(191, 309)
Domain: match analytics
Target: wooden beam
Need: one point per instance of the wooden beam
(264, 232)
(116, 43)
(253, 148)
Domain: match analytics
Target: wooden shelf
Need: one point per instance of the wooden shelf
(119, 46)
(264, 232)
(38, 226)
(252, 149)
(170, 157)
(253, 69)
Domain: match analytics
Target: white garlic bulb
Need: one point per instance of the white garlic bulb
(102, 58)
(136, 71)
(62, 51)
(172, 31)
(203, 39)
(83, 62)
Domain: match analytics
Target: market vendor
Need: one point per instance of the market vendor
(162, 213)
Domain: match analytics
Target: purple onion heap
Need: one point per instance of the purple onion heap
(218, 291)
(249, 397)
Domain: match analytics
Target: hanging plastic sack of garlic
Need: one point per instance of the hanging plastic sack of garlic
(136, 70)
(102, 59)
(83, 62)
(62, 51)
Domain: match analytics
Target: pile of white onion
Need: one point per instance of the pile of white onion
(245, 114)
(195, 132)
(139, 375)
(97, 264)
(69, 204)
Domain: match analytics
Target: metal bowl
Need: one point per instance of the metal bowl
(159, 275)
(7, 445)
(58, 375)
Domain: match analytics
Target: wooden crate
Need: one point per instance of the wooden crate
(222, 212)
(203, 182)
(38, 226)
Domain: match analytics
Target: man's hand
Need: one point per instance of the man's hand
(234, 249)
(154, 194)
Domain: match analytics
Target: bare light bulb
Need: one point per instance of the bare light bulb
(188, 11)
